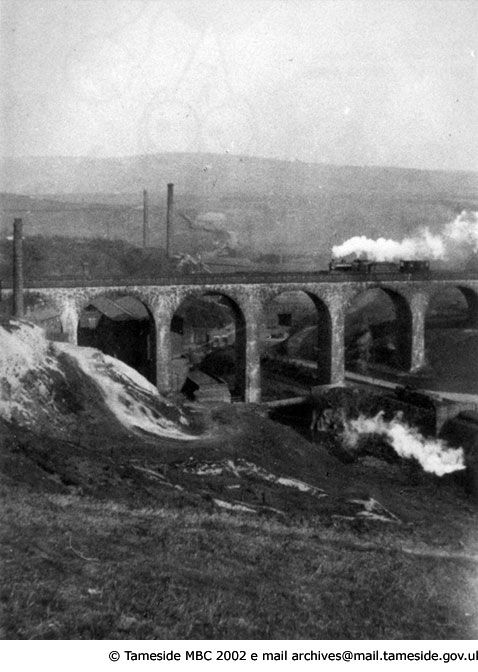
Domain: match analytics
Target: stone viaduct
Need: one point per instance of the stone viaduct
(248, 294)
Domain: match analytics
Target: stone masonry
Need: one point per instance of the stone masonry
(249, 297)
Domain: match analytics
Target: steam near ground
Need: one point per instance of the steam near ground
(434, 455)
(453, 243)
(37, 376)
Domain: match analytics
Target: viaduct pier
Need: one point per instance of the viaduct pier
(247, 294)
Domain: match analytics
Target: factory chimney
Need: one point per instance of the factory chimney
(169, 219)
(17, 268)
(146, 242)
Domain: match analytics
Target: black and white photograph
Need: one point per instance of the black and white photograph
(239, 330)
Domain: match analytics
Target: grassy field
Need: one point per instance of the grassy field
(93, 548)
(77, 568)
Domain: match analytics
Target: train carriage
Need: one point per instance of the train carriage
(367, 268)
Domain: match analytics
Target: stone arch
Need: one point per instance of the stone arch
(396, 332)
(121, 324)
(471, 296)
(216, 350)
(451, 339)
(296, 332)
(447, 299)
(85, 296)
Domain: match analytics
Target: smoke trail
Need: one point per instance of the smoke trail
(464, 230)
(456, 239)
(434, 455)
(424, 246)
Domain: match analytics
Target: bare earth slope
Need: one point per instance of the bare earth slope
(210, 524)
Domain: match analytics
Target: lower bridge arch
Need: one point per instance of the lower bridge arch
(451, 338)
(122, 326)
(378, 330)
(208, 347)
(455, 305)
(295, 342)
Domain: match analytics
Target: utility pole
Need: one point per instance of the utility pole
(18, 308)
(146, 241)
(169, 219)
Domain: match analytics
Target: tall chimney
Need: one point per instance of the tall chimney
(169, 219)
(145, 218)
(17, 268)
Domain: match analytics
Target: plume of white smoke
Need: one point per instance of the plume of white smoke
(464, 230)
(459, 236)
(434, 455)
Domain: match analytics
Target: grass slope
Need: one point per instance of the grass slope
(93, 547)
(76, 568)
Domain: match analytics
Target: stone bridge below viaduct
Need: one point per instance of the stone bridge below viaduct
(248, 295)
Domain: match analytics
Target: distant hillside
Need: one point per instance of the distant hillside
(91, 258)
(224, 174)
(107, 221)
(268, 203)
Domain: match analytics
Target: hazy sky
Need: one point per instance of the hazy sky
(364, 82)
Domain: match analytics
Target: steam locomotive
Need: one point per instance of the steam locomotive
(367, 267)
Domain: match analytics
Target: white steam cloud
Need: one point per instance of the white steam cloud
(464, 230)
(458, 238)
(434, 455)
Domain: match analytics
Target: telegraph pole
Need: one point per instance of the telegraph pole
(169, 219)
(18, 307)
(146, 241)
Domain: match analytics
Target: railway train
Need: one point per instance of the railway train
(366, 267)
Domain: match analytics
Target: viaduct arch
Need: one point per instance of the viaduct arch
(313, 341)
(250, 294)
(401, 324)
(238, 390)
(467, 296)
(122, 326)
